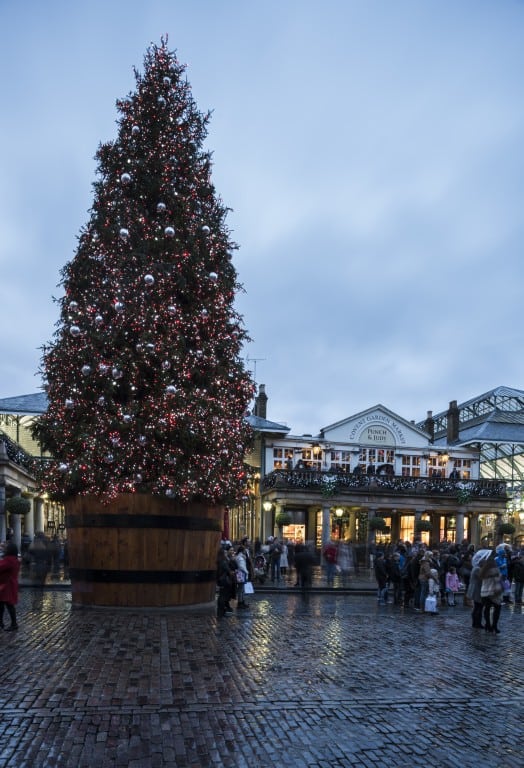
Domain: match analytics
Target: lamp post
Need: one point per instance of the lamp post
(267, 506)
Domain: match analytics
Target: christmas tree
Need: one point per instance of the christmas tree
(147, 390)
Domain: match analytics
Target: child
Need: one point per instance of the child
(433, 592)
(452, 585)
(9, 568)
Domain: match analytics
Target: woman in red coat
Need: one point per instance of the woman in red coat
(9, 568)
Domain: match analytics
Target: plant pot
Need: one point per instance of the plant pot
(142, 551)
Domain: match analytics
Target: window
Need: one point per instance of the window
(437, 466)
(312, 459)
(463, 467)
(410, 466)
(282, 458)
(340, 460)
(371, 459)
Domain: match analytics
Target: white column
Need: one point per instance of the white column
(16, 523)
(326, 525)
(39, 516)
(30, 520)
(459, 530)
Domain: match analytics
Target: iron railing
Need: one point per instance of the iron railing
(331, 483)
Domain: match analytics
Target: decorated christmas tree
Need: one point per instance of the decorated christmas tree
(146, 386)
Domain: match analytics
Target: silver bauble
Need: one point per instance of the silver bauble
(119, 307)
(63, 468)
(167, 81)
(117, 373)
(170, 389)
(101, 400)
(135, 130)
(73, 306)
(75, 331)
(206, 230)
(161, 101)
(124, 233)
(169, 231)
(213, 276)
(166, 365)
(69, 403)
(99, 319)
(125, 178)
(171, 309)
(86, 370)
(149, 280)
(161, 207)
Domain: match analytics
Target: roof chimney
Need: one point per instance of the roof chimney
(429, 425)
(453, 422)
(261, 402)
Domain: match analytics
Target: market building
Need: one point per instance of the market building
(372, 466)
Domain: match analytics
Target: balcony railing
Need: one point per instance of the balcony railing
(333, 483)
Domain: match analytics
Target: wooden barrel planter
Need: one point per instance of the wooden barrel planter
(142, 551)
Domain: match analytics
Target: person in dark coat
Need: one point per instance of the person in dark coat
(9, 570)
(224, 583)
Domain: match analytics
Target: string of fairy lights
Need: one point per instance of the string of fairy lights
(146, 385)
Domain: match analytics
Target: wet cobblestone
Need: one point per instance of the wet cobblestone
(328, 680)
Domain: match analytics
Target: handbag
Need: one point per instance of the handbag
(249, 588)
(430, 606)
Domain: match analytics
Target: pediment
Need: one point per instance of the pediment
(377, 427)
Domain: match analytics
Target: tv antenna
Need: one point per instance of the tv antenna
(254, 360)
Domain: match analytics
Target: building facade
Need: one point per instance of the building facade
(374, 465)
(453, 476)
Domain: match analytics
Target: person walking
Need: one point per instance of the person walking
(224, 577)
(474, 586)
(382, 576)
(242, 575)
(517, 571)
(330, 558)
(9, 570)
(491, 593)
(275, 553)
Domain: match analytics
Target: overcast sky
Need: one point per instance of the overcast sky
(372, 152)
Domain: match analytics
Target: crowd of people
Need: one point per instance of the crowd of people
(426, 578)
(413, 575)
(277, 560)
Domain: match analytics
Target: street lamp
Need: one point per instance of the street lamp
(267, 506)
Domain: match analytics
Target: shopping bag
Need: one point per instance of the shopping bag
(249, 588)
(430, 605)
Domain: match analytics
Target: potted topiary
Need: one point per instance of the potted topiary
(18, 505)
(506, 529)
(423, 525)
(282, 519)
(377, 524)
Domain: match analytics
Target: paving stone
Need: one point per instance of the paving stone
(313, 681)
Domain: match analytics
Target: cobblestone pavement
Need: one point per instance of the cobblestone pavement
(319, 681)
